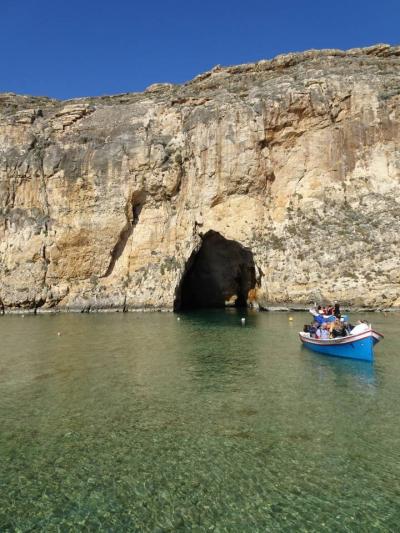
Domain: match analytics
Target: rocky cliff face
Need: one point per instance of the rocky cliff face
(288, 169)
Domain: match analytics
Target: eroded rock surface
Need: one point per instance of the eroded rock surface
(103, 201)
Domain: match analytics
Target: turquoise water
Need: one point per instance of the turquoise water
(141, 422)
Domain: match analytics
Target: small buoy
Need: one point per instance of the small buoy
(243, 321)
(22, 316)
(58, 333)
(290, 319)
(178, 318)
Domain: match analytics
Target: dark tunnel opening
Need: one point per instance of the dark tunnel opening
(220, 274)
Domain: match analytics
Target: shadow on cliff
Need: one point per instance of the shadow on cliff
(221, 273)
(133, 209)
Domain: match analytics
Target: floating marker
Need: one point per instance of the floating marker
(58, 333)
(243, 321)
(290, 319)
(178, 318)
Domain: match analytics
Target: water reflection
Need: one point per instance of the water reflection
(218, 350)
(143, 422)
(342, 372)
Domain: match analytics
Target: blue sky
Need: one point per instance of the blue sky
(68, 48)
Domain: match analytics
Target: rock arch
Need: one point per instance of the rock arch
(221, 273)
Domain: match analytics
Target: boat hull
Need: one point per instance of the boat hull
(351, 347)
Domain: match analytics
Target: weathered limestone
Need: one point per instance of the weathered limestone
(104, 200)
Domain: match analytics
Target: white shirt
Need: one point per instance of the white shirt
(360, 328)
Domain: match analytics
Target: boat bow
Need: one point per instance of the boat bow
(359, 346)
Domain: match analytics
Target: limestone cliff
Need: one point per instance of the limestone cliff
(105, 202)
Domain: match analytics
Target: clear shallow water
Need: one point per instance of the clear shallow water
(141, 422)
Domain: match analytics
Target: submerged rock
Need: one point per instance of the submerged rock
(105, 202)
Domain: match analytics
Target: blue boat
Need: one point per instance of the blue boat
(359, 346)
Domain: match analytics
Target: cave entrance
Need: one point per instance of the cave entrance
(220, 274)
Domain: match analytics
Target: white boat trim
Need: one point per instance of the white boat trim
(304, 337)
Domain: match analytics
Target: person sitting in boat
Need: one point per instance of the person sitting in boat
(346, 327)
(324, 332)
(360, 327)
(336, 329)
(336, 310)
(340, 328)
(312, 330)
(315, 311)
(320, 317)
